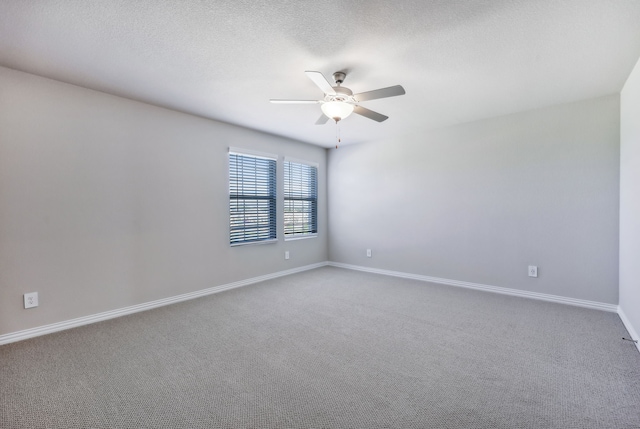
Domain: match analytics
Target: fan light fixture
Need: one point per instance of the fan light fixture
(339, 102)
(336, 110)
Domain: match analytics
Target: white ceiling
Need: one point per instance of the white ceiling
(458, 60)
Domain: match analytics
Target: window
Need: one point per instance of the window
(300, 199)
(252, 198)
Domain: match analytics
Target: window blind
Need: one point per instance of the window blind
(300, 199)
(252, 198)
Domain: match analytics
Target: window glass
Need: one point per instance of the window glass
(252, 198)
(300, 200)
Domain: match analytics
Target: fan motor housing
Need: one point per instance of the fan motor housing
(342, 94)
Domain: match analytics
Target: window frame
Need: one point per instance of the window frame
(313, 199)
(271, 197)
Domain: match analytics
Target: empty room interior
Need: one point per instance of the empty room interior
(297, 214)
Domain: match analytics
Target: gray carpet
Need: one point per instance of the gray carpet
(331, 348)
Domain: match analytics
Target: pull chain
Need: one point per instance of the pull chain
(337, 133)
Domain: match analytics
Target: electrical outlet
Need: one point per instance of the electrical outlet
(533, 271)
(286, 254)
(31, 300)
(368, 253)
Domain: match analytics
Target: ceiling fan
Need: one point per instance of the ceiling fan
(339, 101)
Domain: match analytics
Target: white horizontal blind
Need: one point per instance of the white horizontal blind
(300, 199)
(252, 198)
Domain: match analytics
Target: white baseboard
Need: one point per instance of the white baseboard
(627, 324)
(86, 320)
(495, 289)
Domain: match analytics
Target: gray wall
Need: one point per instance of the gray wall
(630, 199)
(479, 202)
(106, 203)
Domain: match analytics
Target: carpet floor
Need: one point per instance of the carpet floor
(331, 348)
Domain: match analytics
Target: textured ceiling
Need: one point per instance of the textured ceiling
(458, 60)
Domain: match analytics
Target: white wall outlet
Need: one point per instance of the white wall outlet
(368, 253)
(31, 300)
(533, 271)
(286, 254)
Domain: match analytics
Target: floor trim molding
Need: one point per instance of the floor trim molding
(86, 320)
(627, 324)
(487, 288)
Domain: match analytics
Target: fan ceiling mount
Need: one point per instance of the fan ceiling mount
(339, 101)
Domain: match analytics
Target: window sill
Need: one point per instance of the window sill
(301, 237)
(248, 243)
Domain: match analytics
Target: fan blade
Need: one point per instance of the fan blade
(391, 91)
(322, 119)
(319, 79)
(378, 117)
(276, 101)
